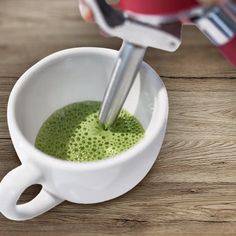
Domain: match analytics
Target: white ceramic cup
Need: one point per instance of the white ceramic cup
(62, 78)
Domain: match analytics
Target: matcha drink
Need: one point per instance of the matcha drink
(73, 133)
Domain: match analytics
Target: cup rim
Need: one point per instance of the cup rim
(40, 156)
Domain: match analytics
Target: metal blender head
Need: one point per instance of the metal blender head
(137, 34)
(123, 75)
(157, 24)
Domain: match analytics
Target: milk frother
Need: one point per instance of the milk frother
(156, 23)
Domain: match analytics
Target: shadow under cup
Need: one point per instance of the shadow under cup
(76, 76)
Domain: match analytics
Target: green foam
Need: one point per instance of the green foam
(73, 133)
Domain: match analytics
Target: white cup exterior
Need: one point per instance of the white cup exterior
(65, 77)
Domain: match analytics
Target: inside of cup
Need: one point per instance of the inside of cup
(80, 75)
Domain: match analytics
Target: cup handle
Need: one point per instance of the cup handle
(14, 184)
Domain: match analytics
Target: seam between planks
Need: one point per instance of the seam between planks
(195, 77)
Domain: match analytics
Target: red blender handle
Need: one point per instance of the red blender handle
(157, 7)
(229, 49)
(168, 7)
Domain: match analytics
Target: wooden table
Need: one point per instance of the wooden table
(191, 190)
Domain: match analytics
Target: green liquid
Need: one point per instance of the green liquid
(73, 133)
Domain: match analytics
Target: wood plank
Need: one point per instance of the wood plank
(162, 203)
(180, 161)
(133, 229)
(54, 25)
(199, 108)
(6, 85)
(202, 109)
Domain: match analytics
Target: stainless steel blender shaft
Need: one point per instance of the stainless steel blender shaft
(122, 78)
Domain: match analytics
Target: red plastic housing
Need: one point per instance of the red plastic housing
(229, 50)
(157, 7)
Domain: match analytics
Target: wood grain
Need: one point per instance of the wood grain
(191, 190)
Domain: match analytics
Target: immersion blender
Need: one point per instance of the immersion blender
(155, 23)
